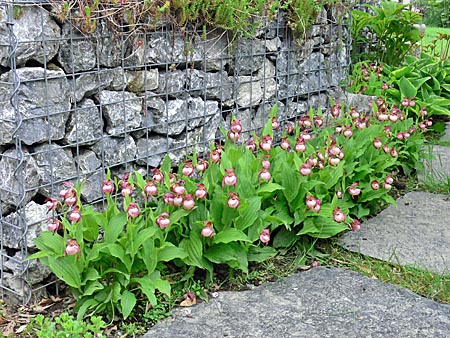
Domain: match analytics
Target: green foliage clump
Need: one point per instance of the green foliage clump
(436, 12)
(242, 204)
(392, 30)
(66, 325)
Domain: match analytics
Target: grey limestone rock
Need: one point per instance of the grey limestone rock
(92, 186)
(43, 117)
(200, 112)
(143, 80)
(172, 83)
(36, 32)
(27, 177)
(122, 111)
(249, 56)
(414, 233)
(152, 150)
(321, 302)
(248, 91)
(36, 271)
(172, 119)
(115, 150)
(211, 51)
(15, 233)
(268, 83)
(359, 101)
(77, 52)
(87, 161)
(88, 84)
(210, 85)
(85, 125)
(54, 164)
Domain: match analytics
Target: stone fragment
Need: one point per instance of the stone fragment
(87, 161)
(172, 119)
(249, 92)
(77, 51)
(200, 112)
(88, 84)
(211, 50)
(85, 125)
(361, 102)
(144, 80)
(249, 56)
(413, 233)
(122, 111)
(268, 82)
(14, 179)
(163, 48)
(43, 105)
(16, 233)
(210, 85)
(172, 83)
(321, 302)
(54, 164)
(36, 33)
(115, 150)
(273, 45)
(92, 186)
(152, 150)
(36, 271)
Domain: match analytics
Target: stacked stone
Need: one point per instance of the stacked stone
(77, 104)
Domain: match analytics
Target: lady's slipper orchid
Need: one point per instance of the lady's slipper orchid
(338, 215)
(75, 215)
(72, 247)
(290, 128)
(264, 236)
(318, 121)
(178, 200)
(178, 189)
(335, 110)
(229, 178)
(233, 200)
(133, 210)
(264, 175)
(266, 143)
(108, 187)
(300, 146)
(52, 203)
(208, 230)
(150, 189)
(251, 145)
(188, 202)
(339, 194)
(214, 156)
(127, 189)
(354, 190)
(54, 226)
(201, 191)
(275, 124)
(305, 169)
(168, 198)
(233, 136)
(202, 165)
(284, 144)
(310, 202)
(266, 162)
(316, 208)
(163, 220)
(389, 179)
(188, 169)
(375, 185)
(158, 176)
(394, 152)
(236, 126)
(355, 225)
(348, 132)
(334, 161)
(377, 143)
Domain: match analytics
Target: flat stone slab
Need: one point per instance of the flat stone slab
(415, 233)
(321, 302)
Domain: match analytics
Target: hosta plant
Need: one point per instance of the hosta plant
(238, 204)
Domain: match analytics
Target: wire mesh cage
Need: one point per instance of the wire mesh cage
(74, 104)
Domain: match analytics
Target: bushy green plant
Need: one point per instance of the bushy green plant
(391, 26)
(65, 325)
(424, 80)
(239, 206)
(436, 12)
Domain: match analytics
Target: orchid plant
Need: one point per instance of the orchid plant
(240, 204)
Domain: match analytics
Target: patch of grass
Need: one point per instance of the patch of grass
(437, 183)
(431, 34)
(427, 284)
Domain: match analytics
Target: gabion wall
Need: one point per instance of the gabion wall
(73, 105)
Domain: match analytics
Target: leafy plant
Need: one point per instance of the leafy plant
(392, 32)
(65, 325)
(248, 200)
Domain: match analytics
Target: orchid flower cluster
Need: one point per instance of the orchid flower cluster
(239, 203)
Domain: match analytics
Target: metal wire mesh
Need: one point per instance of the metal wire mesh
(74, 105)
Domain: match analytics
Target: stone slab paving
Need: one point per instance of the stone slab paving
(416, 232)
(321, 302)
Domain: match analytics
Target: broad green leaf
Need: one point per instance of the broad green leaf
(86, 305)
(92, 288)
(284, 238)
(91, 228)
(148, 255)
(91, 274)
(268, 188)
(260, 254)
(231, 254)
(63, 268)
(230, 235)
(162, 285)
(194, 248)
(322, 227)
(127, 303)
(407, 88)
(169, 252)
(49, 241)
(143, 236)
(115, 227)
(249, 216)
